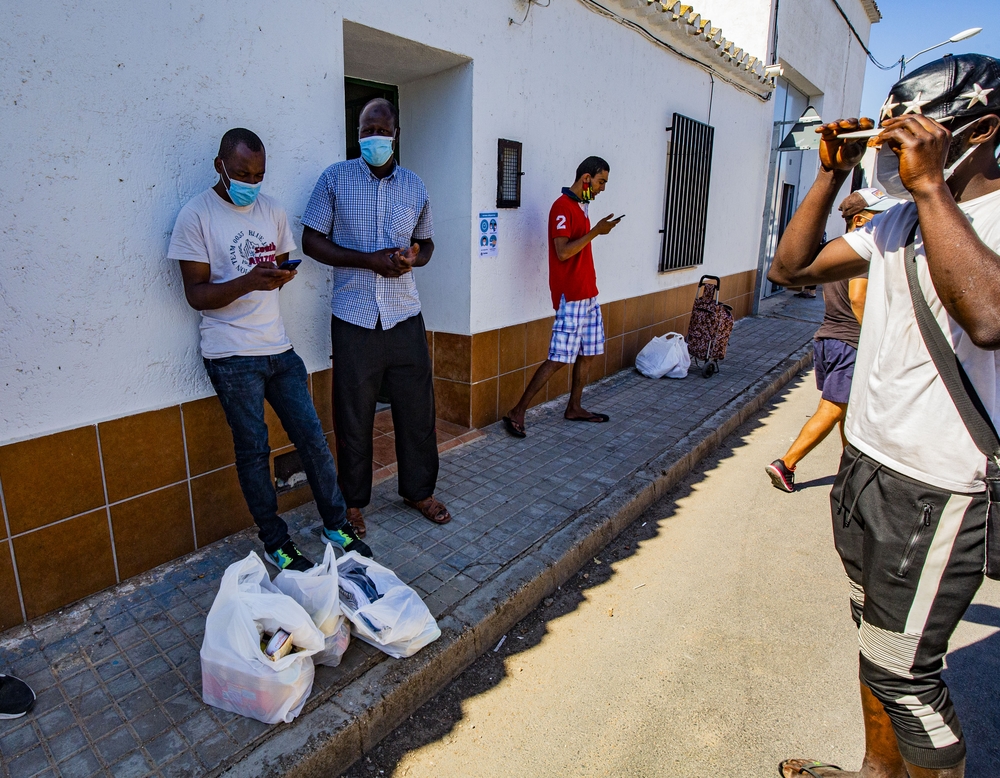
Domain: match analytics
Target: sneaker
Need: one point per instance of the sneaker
(781, 476)
(347, 539)
(16, 697)
(288, 557)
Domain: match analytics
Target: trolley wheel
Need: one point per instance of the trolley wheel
(710, 369)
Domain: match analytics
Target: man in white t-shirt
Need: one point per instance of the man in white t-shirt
(232, 244)
(910, 505)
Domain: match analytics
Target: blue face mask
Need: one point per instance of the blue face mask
(239, 192)
(376, 150)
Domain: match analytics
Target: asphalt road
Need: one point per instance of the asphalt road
(712, 638)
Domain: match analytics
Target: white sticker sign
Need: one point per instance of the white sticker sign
(488, 235)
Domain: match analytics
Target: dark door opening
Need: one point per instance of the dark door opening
(784, 216)
(357, 93)
(787, 207)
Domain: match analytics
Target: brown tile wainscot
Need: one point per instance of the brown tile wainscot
(136, 492)
(478, 378)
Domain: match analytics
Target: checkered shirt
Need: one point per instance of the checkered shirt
(359, 211)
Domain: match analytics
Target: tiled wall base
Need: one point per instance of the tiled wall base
(478, 378)
(87, 508)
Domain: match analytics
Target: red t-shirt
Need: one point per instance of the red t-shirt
(575, 278)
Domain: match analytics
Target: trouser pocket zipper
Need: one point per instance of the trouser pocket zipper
(922, 524)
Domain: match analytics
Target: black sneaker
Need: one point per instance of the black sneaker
(347, 539)
(781, 476)
(288, 557)
(16, 697)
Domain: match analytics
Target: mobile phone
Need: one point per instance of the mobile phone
(290, 264)
(618, 218)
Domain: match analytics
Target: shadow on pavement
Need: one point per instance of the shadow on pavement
(973, 676)
(438, 717)
(825, 481)
(973, 672)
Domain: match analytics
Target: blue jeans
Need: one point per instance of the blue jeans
(243, 383)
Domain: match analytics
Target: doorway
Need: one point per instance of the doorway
(357, 93)
(787, 207)
(784, 178)
(432, 89)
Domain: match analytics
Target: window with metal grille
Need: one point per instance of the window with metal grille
(508, 174)
(688, 175)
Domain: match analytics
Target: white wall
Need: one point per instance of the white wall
(824, 59)
(112, 115)
(616, 106)
(436, 142)
(748, 24)
(816, 42)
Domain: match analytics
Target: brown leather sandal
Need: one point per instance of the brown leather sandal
(357, 522)
(432, 509)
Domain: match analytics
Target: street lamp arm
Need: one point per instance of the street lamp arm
(961, 36)
(908, 60)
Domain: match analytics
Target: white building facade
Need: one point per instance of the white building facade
(109, 429)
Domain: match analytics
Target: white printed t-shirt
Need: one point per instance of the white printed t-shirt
(900, 412)
(232, 239)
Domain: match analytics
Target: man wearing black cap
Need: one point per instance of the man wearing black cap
(910, 505)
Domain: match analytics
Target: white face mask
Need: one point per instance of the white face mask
(887, 167)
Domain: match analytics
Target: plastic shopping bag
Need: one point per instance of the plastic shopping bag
(236, 676)
(664, 357)
(336, 644)
(316, 591)
(383, 611)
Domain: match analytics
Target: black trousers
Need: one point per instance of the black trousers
(362, 358)
(914, 555)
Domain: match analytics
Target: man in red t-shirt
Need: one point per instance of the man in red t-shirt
(578, 332)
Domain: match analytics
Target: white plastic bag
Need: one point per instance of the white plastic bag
(316, 591)
(235, 674)
(336, 644)
(383, 610)
(664, 357)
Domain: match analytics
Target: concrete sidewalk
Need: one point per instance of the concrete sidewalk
(118, 675)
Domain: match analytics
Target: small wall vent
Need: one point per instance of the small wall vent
(509, 173)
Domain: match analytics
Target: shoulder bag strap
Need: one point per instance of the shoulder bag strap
(963, 393)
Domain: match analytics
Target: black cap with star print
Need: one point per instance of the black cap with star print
(955, 87)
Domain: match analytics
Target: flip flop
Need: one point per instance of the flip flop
(594, 418)
(807, 769)
(513, 428)
(440, 517)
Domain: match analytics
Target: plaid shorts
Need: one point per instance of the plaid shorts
(579, 329)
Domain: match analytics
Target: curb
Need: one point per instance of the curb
(330, 738)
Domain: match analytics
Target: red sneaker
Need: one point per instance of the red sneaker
(781, 476)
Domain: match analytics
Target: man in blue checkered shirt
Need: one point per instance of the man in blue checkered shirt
(370, 219)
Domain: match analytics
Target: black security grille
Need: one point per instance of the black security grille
(688, 175)
(508, 174)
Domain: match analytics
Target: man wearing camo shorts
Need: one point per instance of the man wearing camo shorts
(578, 332)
